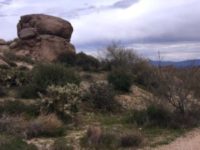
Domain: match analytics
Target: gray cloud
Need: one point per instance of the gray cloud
(5, 2)
(171, 24)
(124, 3)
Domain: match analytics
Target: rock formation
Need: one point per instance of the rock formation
(42, 37)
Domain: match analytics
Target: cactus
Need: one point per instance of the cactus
(61, 99)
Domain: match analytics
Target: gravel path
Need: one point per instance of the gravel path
(191, 141)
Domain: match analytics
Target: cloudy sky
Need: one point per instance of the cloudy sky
(171, 27)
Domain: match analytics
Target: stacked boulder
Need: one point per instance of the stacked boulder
(43, 37)
(3, 46)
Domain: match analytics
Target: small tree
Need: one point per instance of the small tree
(180, 87)
(116, 55)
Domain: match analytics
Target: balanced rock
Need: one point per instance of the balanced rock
(44, 37)
(45, 24)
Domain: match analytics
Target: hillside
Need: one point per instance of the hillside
(52, 98)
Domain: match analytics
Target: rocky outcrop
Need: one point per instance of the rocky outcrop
(42, 37)
(41, 24)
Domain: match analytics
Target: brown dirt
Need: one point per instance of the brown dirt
(190, 141)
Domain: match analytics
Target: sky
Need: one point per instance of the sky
(168, 27)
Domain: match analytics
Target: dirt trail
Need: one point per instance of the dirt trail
(191, 141)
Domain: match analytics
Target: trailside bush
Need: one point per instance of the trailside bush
(2, 92)
(101, 96)
(14, 143)
(153, 115)
(17, 108)
(28, 91)
(131, 140)
(120, 79)
(53, 74)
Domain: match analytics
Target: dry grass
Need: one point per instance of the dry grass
(45, 125)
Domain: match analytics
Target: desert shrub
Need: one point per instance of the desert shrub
(137, 116)
(67, 58)
(129, 62)
(2, 92)
(61, 144)
(153, 115)
(178, 87)
(144, 74)
(13, 125)
(17, 108)
(45, 125)
(8, 142)
(45, 75)
(116, 55)
(158, 115)
(120, 79)
(13, 77)
(131, 140)
(62, 100)
(87, 62)
(98, 139)
(101, 97)
(28, 91)
(10, 56)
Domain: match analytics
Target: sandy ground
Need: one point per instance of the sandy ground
(191, 141)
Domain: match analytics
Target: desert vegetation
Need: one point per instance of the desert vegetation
(89, 103)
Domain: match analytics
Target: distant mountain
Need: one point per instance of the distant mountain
(178, 64)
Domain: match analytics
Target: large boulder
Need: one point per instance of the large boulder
(46, 48)
(43, 37)
(44, 24)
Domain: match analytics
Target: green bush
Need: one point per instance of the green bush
(154, 115)
(2, 92)
(28, 91)
(53, 74)
(158, 116)
(137, 116)
(10, 56)
(45, 75)
(87, 62)
(13, 77)
(17, 107)
(120, 79)
(14, 143)
(101, 96)
(131, 140)
(67, 59)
